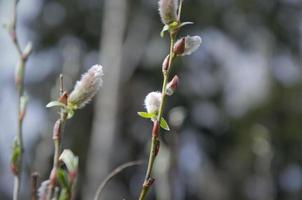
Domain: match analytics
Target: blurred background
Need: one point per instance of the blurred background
(235, 119)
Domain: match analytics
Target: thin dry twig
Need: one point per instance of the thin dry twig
(115, 172)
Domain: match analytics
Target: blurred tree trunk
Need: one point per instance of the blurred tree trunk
(106, 119)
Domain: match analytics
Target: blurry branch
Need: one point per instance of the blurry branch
(18, 149)
(105, 120)
(115, 172)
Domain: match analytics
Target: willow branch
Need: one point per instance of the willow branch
(155, 143)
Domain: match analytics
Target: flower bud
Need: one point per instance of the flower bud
(172, 85)
(168, 11)
(63, 98)
(165, 65)
(152, 102)
(87, 87)
(192, 43)
(179, 46)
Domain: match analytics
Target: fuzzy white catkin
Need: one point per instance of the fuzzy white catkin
(152, 102)
(168, 10)
(43, 189)
(86, 88)
(192, 43)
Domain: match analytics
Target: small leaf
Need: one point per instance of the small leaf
(146, 115)
(54, 104)
(64, 194)
(165, 28)
(173, 26)
(164, 124)
(16, 152)
(70, 113)
(62, 178)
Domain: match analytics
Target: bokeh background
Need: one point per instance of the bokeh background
(235, 119)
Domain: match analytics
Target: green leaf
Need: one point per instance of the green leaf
(173, 26)
(165, 28)
(146, 115)
(16, 152)
(62, 178)
(54, 104)
(164, 124)
(70, 113)
(64, 194)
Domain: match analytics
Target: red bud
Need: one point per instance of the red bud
(179, 46)
(63, 98)
(172, 85)
(165, 65)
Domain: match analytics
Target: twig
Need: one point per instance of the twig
(19, 80)
(115, 172)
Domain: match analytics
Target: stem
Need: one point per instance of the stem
(57, 136)
(155, 131)
(57, 132)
